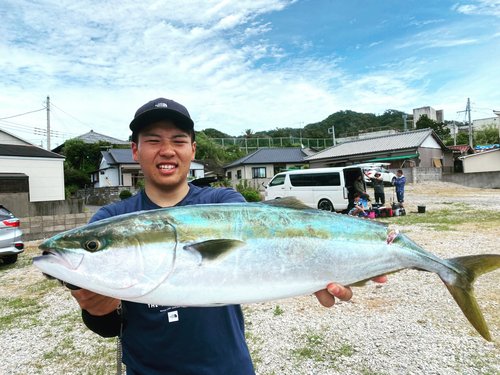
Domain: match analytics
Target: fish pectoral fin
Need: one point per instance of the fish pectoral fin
(214, 250)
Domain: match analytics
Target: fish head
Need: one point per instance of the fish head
(122, 257)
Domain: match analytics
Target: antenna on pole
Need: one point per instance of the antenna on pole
(48, 123)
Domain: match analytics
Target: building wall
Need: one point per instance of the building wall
(437, 116)
(487, 161)
(7, 139)
(46, 176)
(40, 227)
(481, 123)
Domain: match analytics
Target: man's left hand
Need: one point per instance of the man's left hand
(327, 296)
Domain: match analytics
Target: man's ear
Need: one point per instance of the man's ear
(194, 151)
(135, 151)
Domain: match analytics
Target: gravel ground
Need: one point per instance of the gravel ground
(409, 325)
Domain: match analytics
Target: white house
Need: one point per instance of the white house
(45, 169)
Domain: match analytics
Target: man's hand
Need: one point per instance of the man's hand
(95, 304)
(327, 296)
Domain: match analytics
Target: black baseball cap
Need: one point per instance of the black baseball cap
(161, 109)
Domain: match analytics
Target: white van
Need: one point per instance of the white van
(329, 189)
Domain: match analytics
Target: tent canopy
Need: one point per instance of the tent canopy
(398, 157)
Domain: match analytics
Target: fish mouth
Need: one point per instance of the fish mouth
(71, 261)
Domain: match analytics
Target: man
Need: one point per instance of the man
(378, 187)
(400, 187)
(173, 339)
(359, 187)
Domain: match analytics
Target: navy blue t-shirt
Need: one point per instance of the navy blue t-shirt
(182, 340)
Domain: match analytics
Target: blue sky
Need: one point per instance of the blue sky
(247, 64)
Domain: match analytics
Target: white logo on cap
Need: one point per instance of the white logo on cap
(161, 105)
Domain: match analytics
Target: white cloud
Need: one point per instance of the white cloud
(483, 7)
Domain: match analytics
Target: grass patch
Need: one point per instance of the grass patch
(278, 311)
(21, 308)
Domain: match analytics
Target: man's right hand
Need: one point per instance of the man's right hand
(95, 304)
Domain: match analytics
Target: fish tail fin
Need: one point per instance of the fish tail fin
(462, 291)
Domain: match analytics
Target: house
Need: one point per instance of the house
(44, 169)
(420, 148)
(261, 165)
(485, 161)
(118, 168)
(93, 137)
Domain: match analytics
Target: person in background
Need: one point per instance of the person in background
(358, 209)
(400, 187)
(160, 340)
(378, 187)
(359, 187)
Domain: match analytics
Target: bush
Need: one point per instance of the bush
(141, 184)
(251, 196)
(124, 194)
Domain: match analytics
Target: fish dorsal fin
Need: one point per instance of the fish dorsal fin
(214, 250)
(289, 202)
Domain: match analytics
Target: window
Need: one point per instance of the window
(315, 179)
(278, 180)
(229, 175)
(238, 174)
(259, 172)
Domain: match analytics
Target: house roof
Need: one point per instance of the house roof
(27, 151)
(271, 155)
(461, 149)
(119, 156)
(94, 137)
(391, 142)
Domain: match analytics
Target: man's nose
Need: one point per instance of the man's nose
(167, 149)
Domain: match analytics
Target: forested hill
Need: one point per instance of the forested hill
(343, 121)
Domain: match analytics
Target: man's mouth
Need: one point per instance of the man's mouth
(166, 167)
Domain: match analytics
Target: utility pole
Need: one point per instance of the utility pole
(467, 109)
(470, 124)
(406, 127)
(332, 132)
(454, 133)
(48, 123)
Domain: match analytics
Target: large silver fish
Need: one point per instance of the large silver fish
(217, 254)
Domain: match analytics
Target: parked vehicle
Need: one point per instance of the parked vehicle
(329, 189)
(11, 237)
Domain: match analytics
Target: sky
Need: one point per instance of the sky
(241, 64)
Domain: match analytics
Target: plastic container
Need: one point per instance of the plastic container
(421, 209)
(396, 212)
(371, 215)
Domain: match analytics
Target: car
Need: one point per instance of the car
(386, 175)
(371, 169)
(11, 236)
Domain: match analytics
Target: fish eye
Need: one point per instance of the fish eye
(92, 245)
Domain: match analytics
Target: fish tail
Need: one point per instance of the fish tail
(469, 269)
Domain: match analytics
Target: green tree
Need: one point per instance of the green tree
(439, 128)
(462, 139)
(488, 135)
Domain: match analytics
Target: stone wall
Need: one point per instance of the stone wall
(41, 227)
(104, 195)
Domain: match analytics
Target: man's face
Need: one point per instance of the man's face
(165, 153)
(399, 174)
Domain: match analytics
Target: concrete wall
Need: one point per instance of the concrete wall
(41, 227)
(485, 180)
(104, 195)
(19, 205)
(486, 161)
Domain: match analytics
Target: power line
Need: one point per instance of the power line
(22, 114)
(71, 116)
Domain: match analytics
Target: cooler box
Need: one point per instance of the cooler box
(386, 212)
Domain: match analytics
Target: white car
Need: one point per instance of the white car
(386, 175)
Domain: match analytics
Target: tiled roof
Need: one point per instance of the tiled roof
(93, 137)
(460, 148)
(390, 142)
(27, 151)
(271, 155)
(119, 156)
